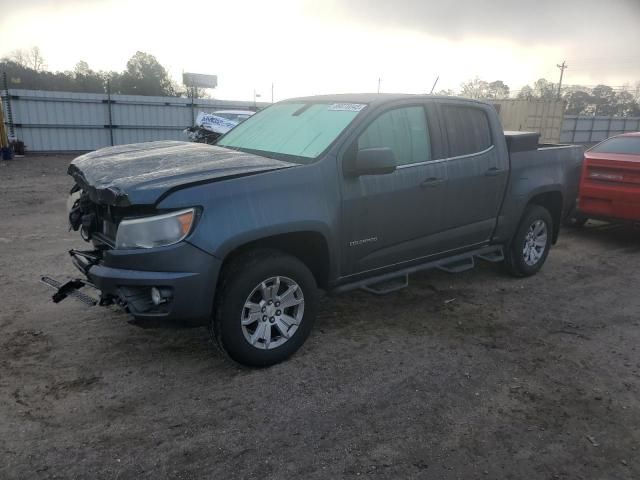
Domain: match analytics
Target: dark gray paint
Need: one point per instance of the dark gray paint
(139, 174)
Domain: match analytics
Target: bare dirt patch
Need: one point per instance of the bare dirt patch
(476, 375)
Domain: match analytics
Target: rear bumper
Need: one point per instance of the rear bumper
(609, 202)
(186, 275)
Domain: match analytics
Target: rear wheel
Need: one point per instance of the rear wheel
(531, 243)
(265, 308)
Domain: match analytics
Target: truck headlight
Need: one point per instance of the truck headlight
(156, 231)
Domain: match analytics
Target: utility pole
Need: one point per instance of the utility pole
(271, 92)
(379, 79)
(561, 67)
(110, 110)
(194, 92)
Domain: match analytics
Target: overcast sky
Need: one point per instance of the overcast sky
(329, 46)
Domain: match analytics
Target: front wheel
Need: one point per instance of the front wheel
(531, 243)
(265, 308)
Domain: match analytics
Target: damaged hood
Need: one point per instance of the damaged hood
(141, 173)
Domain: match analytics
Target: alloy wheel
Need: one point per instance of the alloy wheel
(272, 312)
(535, 242)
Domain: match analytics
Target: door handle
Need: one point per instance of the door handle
(493, 171)
(432, 182)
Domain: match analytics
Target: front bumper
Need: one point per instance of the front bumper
(186, 274)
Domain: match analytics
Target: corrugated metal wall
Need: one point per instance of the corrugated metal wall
(590, 130)
(65, 121)
(544, 117)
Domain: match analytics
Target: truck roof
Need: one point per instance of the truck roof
(376, 98)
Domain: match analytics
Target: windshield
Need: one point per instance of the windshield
(625, 145)
(296, 131)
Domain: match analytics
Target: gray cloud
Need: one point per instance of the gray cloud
(596, 34)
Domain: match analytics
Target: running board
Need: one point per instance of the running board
(454, 264)
(496, 256)
(387, 286)
(458, 266)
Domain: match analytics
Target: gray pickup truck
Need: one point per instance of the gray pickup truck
(328, 192)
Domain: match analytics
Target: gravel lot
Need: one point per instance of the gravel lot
(476, 375)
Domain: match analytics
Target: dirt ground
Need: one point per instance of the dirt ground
(476, 375)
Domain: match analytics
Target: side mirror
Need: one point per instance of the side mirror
(374, 161)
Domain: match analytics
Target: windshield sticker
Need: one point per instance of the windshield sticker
(346, 107)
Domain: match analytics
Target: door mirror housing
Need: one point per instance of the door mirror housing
(374, 161)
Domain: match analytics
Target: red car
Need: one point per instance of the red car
(610, 182)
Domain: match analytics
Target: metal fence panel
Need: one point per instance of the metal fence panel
(591, 130)
(542, 116)
(68, 121)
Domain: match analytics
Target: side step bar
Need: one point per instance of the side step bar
(458, 266)
(494, 257)
(387, 286)
(393, 281)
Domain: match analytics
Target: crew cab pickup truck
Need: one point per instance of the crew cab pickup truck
(326, 192)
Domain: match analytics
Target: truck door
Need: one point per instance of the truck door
(478, 173)
(391, 218)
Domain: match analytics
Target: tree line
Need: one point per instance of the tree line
(580, 100)
(144, 75)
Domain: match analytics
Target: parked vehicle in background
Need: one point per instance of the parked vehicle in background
(336, 192)
(210, 126)
(610, 181)
(237, 116)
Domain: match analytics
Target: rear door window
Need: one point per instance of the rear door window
(404, 131)
(467, 129)
(623, 145)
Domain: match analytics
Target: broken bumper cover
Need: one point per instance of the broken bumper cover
(187, 280)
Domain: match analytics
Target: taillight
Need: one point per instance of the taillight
(628, 173)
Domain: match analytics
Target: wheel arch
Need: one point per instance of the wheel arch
(553, 202)
(308, 246)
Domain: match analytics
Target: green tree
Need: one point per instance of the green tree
(477, 88)
(145, 76)
(525, 93)
(87, 80)
(31, 58)
(624, 104)
(602, 97)
(497, 90)
(474, 88)
(577, 102)
(544, 90)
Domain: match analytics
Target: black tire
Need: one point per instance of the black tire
(239, 279)
(516, 261)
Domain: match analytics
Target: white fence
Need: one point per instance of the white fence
(66, 122)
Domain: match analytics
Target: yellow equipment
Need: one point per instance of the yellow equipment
(4, 141)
